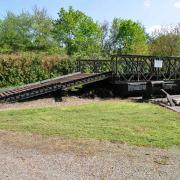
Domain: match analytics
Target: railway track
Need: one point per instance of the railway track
(51, 85)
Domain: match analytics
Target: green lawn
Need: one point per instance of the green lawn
(134, 123)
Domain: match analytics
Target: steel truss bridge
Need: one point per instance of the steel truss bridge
(122, 68)
(135, 68)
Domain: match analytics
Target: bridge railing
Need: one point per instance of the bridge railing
(144, 68)
(135, 67)
(95, 66)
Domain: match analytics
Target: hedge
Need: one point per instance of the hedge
(19, 69)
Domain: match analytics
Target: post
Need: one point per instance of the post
(116, 66)
(157, 73)
(113, 66)
(138, 68)
(78, 65)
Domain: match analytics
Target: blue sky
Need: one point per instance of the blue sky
(151, 13)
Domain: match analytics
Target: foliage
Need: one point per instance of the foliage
(104, 39)
(27, 68)
(14, 32)
(166, 42)
(42, 28)
(134, 123)
(127, 37)
(72, 33)
(77, 32)
(26, 32)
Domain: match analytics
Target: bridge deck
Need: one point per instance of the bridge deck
(51, 85)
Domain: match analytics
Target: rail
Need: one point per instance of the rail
(135, 67)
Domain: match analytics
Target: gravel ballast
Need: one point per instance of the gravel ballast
(28, 156)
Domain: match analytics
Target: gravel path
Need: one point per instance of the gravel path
(31, 157)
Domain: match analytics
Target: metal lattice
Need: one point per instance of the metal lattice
(135, 67)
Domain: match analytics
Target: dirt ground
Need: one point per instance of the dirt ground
(31, 157)
(47, 102)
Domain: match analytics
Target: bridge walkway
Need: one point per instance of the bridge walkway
(52, 85)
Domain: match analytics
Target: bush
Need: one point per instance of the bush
(19, 69)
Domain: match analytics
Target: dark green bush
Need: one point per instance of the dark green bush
(17, 70)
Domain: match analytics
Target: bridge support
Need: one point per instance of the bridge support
(145, 89)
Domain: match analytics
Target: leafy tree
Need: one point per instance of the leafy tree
(127, 37)
(15, 32)
(42, 27)
(166, 42)
(77, 32)
(104, 40)
(27, 31)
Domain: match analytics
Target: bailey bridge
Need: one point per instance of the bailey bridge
(128, 73)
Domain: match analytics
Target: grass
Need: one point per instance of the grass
(135, 123)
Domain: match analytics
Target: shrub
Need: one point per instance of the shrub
(18, 69)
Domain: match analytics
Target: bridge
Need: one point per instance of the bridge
(135, 68)
(132, 70)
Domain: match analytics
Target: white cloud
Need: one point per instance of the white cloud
(177, 4)
(153, 28)
(147, 3)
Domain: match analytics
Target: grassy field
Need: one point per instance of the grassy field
(134, 123)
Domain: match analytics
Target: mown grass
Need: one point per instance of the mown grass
(134, 123)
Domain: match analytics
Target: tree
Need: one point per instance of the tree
(104, 40)
(77, 32)
(127, 37)
(166, 42)
(15, 32)
(42, 27)
(25, 32)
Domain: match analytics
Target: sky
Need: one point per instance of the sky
(151, 13)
